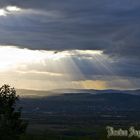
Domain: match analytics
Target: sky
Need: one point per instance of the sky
(70, 44)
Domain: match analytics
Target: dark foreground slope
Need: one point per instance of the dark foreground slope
(81, 114)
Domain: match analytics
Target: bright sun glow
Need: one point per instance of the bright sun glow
(11, 57)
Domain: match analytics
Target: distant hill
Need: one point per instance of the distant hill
(39, 93)
(79, 101)
(82, 102)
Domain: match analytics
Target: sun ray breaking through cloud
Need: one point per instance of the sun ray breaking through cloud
(48, 70)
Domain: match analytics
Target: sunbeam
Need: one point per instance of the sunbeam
(74, 69)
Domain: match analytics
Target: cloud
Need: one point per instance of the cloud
(111, 27)
(102, 25)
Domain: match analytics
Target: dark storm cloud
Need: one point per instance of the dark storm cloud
(108, 25)
(80, 24)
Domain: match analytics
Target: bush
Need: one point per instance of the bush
(11, 123)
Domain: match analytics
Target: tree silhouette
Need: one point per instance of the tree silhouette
(11, 123)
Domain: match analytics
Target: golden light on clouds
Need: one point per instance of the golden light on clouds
(91, 84)
(97, 84)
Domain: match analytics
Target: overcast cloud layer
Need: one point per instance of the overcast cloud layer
(112, 26)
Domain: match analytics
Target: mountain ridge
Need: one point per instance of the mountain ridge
(37, 93)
